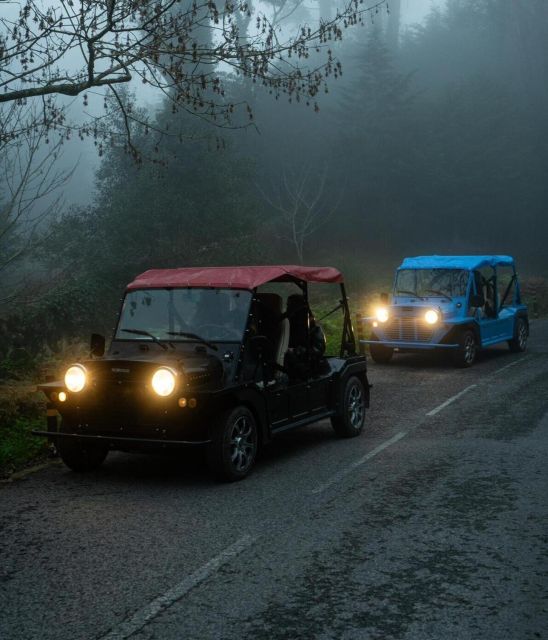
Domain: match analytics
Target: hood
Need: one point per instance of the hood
(196, 369)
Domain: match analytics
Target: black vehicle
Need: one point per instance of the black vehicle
(206, 356)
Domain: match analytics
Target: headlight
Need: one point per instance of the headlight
(163, 381)
(431, 316)
(382, 314)
(75, 378)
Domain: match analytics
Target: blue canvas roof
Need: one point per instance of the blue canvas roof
(455, 262)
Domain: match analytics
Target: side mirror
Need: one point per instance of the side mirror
(384, 298)
(97, 345)
(476, 300)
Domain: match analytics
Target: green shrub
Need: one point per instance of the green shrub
(21, 410)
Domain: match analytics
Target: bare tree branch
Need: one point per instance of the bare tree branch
(301, 206)
(29, 190)
(67, 48)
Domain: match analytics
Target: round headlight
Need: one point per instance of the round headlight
(163, 381)
(431, 316)
(382, 314)
(75, 378)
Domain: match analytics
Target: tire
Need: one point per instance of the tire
(349, 423)
(465, 355)
(232, 452)
(380, 353)
(81, 455)
(518, 343)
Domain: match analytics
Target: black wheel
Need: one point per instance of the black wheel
(233, 449)
(81, 455)
(349, 423)
(521, 333)
(465, 354)
(380, 353)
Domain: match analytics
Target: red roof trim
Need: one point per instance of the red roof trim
(232, 277)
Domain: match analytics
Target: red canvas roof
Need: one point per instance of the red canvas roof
(232, 277)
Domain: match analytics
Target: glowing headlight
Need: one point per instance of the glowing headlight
(382, 314)
(75, 378)
(163, 381)
(431, 316)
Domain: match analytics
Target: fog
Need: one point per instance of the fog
(82, 156)
(433, 140)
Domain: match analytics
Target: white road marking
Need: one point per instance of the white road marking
(344, 472)
(452, 399)
(159, 604)
(512, 364)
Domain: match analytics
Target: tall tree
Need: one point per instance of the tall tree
(374, 137)
(30, 193)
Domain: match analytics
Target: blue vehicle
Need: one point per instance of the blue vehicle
(457, 303)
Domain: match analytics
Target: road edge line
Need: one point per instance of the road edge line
(347, 470)
(147, 613)
(450, 400)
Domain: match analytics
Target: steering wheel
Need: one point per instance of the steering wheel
(220, 332)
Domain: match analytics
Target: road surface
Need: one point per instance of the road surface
(432, 525)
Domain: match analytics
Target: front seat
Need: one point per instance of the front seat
(273, 327)
(297, 313)
(283, 345)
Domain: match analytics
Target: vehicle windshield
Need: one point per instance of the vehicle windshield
(184, 315)
(430, 283)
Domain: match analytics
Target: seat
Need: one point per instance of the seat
(274, 328)
(283, 345)
(297, 314)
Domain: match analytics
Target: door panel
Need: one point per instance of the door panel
(319, 394)
(507, 319)
(298, 400)
(278, 406)
(497, 329)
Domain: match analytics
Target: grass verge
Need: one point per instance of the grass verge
(21, 410)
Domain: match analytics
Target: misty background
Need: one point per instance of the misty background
(433, 140)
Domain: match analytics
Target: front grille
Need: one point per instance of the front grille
(408, 330)
(406, 312)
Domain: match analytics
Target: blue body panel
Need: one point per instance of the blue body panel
(408, 329)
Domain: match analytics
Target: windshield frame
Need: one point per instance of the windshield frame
(117, 337)
(427, 295)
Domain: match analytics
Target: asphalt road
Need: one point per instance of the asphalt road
(432, 525)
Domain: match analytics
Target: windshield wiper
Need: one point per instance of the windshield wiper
(440, 293)
(410, 293)
(141, 332)
(195, 336)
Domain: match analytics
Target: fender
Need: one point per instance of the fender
(522, 313)
(354, 366)
(252, 399)
(468, 324)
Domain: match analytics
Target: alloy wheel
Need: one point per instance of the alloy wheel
(355, 406)
(242, 444)
(469, 349)
(522, 335)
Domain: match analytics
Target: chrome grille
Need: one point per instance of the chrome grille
(408, 330)
(407, 312)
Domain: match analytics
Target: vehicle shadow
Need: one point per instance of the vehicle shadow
(182, 467)
(442, 360)
(187, 468)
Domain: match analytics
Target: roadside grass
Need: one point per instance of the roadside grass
(331, 320)
(21, 410)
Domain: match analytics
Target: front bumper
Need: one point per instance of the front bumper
(118, 441)
(400, 344)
